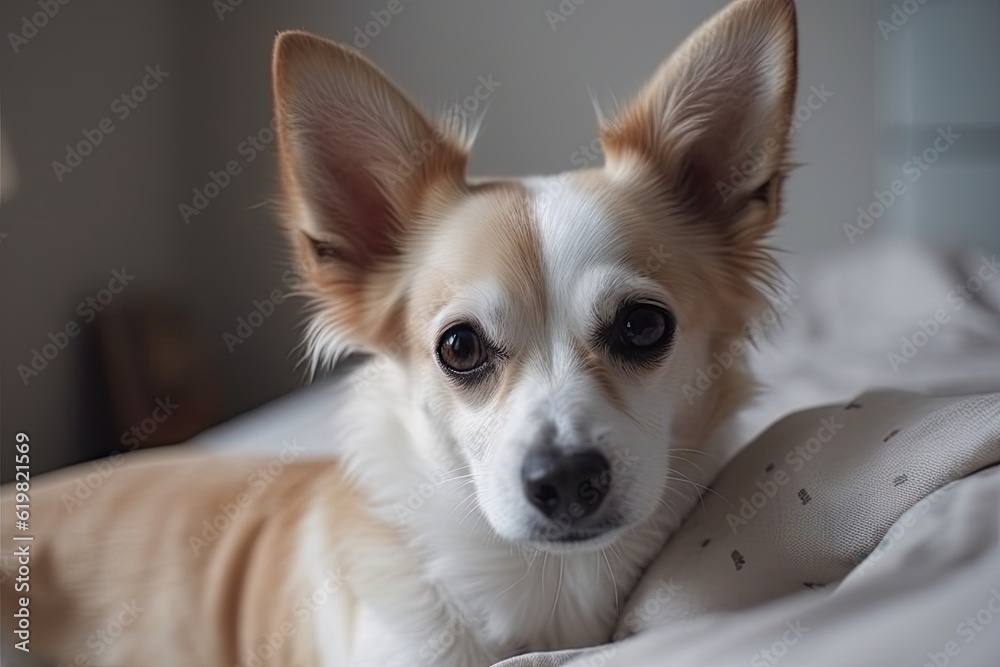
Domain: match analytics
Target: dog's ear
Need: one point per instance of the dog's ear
(359, 162)
(713, 123)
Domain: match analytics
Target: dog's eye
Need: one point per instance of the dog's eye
(323, 250)
(642, 329)
(461, 350)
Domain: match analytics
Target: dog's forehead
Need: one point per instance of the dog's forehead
(541, 244)
(576, 230)
(488, 245)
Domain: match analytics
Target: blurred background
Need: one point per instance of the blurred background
(144, 276)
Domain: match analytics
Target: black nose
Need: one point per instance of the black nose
(565, 486)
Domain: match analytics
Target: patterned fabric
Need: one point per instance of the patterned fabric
(803, 505)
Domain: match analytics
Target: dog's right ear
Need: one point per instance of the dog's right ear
(359, 162)
(725, 96)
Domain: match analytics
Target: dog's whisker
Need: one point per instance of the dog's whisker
(614, 584)
(663, 501)
(696, 451)
(468, 500)
(473, 506)
(647, 426)
(668, 506)
(701, 496)
(690, 463)
(454, 470)
(702, 489)
(545, 559)
(696, 485)
(442, 480)
(454, 479)
(480, 519)
(460, 489)
(562, 562)
(523, 577)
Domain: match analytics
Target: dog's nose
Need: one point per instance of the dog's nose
(565, 486)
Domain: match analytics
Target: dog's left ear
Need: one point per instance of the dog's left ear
(714, 121)
(361, 166)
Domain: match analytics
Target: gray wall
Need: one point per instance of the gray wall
(938, 70)
(114, 210)
(121, 206)
(542, 114)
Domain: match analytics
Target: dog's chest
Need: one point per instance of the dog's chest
(515, 599)
(476, 603)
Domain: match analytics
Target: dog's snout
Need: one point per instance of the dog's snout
(565, 486)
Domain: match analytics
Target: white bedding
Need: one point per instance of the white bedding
(931, 599)
(855, 308)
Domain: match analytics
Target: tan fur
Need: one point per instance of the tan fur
(597, 368)
(130, 541)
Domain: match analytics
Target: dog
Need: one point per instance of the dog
(520, 444)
